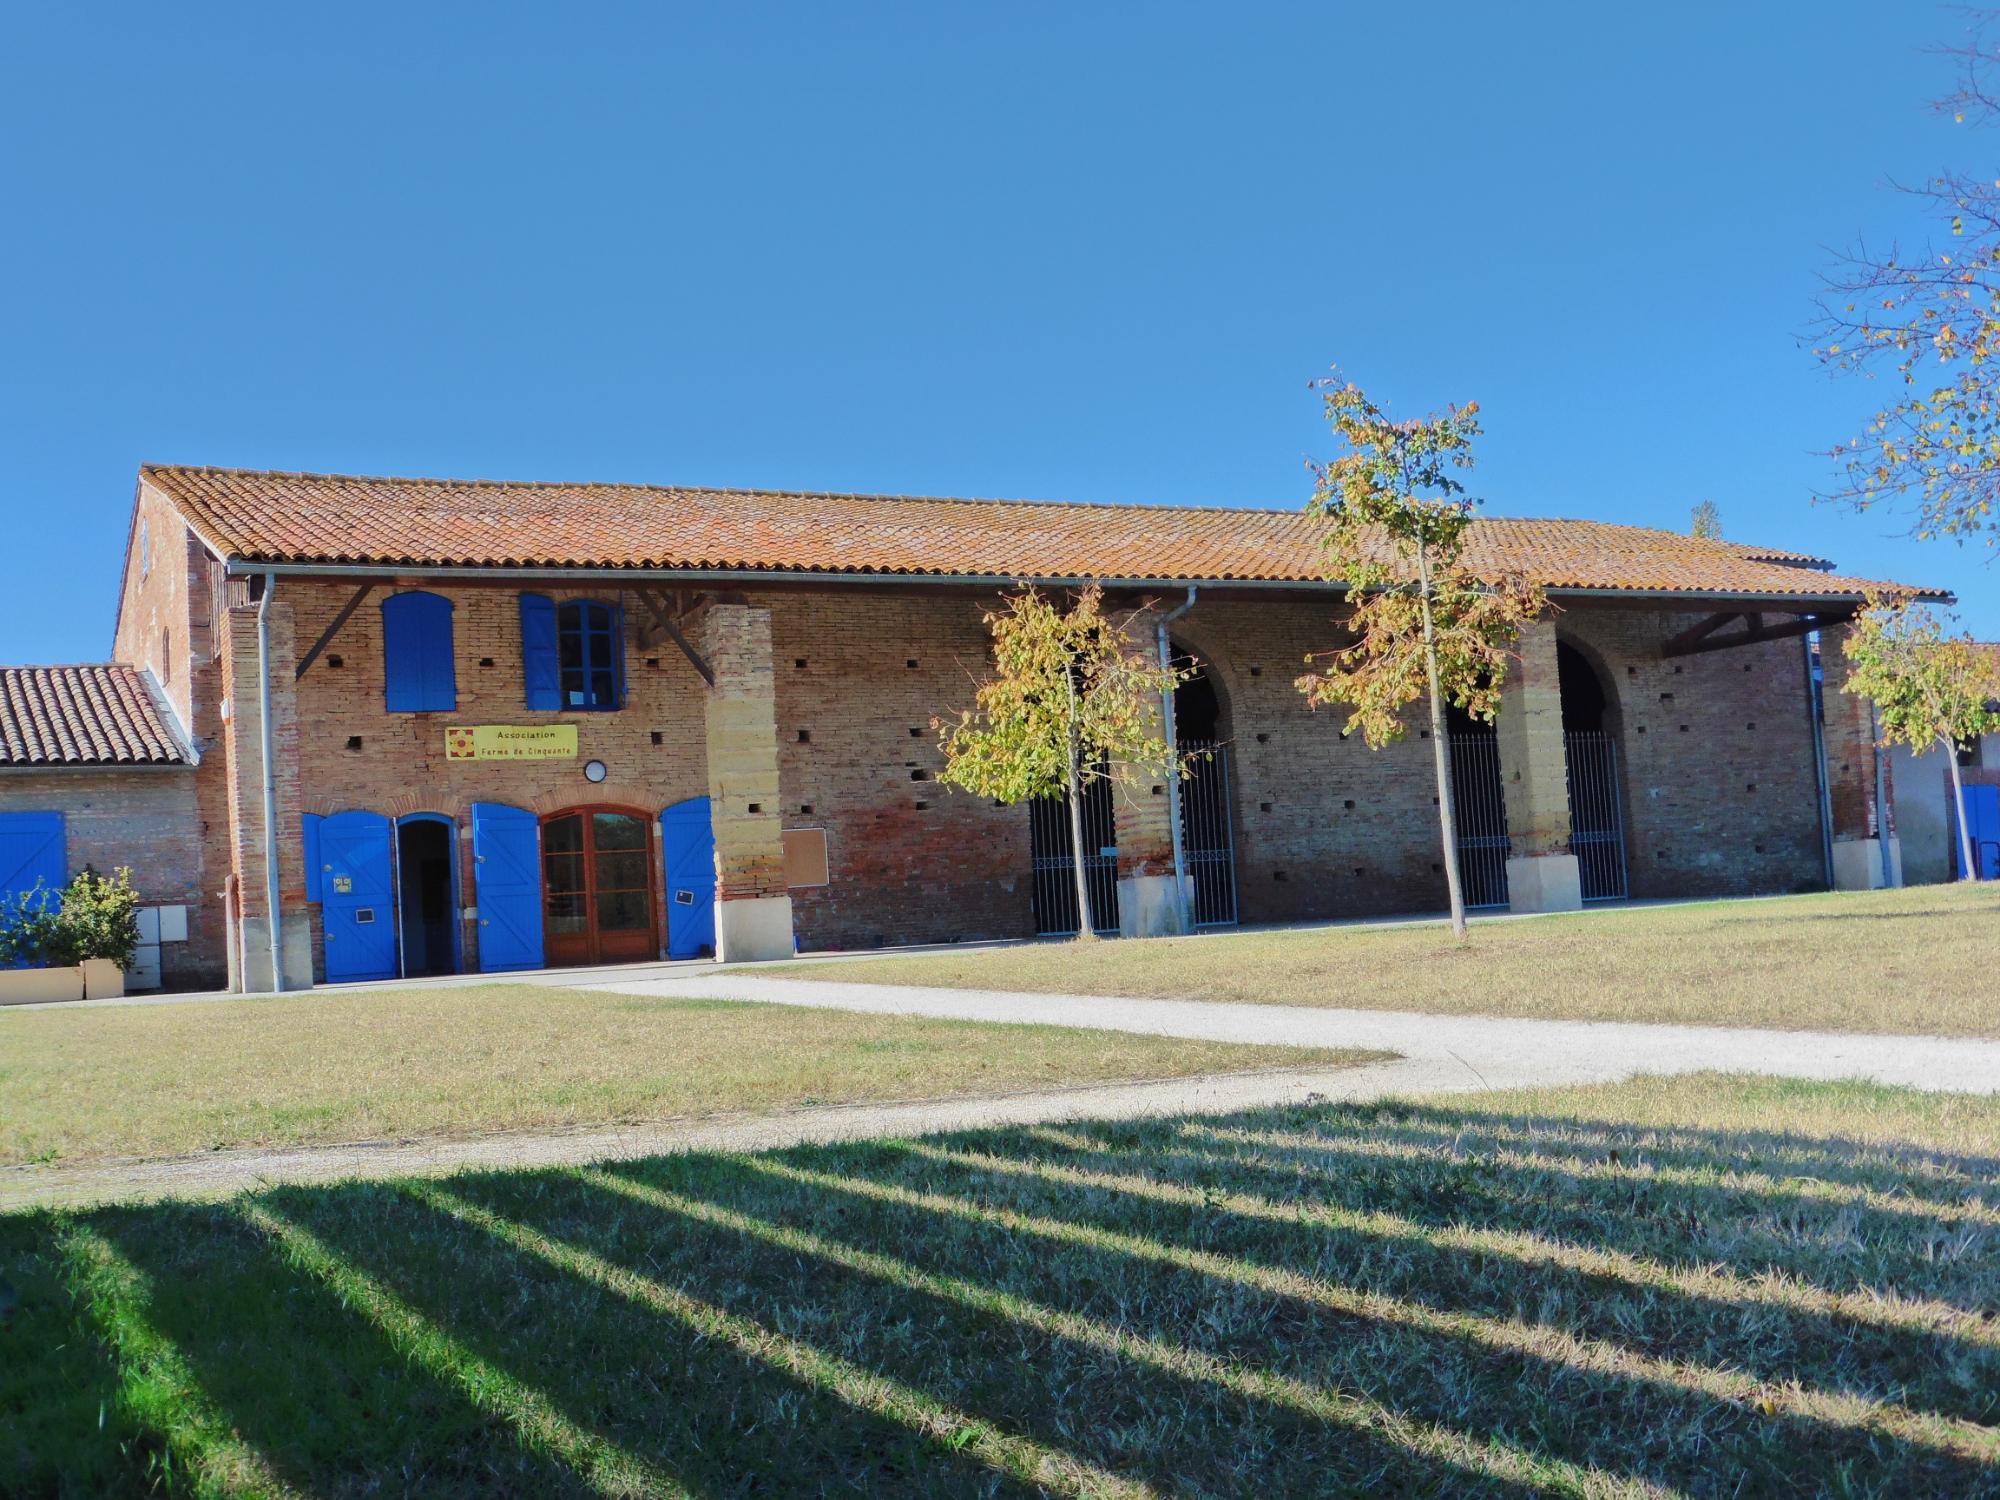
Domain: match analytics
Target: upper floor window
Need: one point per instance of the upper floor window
(417, 670)
(572, 655)
(145, 548)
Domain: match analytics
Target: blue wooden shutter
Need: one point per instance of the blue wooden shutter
(417, 664)
(541, 663)
(618, 653)
(507, 886)
(32, 850)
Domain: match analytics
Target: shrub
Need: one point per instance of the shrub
(91, 917)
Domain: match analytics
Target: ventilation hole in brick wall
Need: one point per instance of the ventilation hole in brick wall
(658, 739)
(1631, 671)
(799, 662)
(1434, 803)
(755, 807)
(1642, 729)
(1684, 729)
(805, 810)
(1348, 804)
(1159, 791)
(1677, 671)
(1751, 725)
(1422, 734)
(998, 803)
(911, 663)
(1659, 854)
(805, 738)
(916, 733)
(1436, 869)
(914, 776)
(1666, 697)
(651, 661)
(1358, 873)
(335, 662)
(1747, 666)
(1261, 807)
(922, 806)
(1757, 848)
(484, 661)
(1278, 875)
(1262, 739)
(1748, 787)
(1254, 672)
(353, 743)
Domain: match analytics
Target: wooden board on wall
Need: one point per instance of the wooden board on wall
(805, 856)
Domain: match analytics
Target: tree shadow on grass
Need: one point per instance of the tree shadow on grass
(1106, 1409)
(722, 1420)
(1952, 1371)
(1602, 1419)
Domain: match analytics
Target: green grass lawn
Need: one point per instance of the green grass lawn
(1696, 1285)
(79, 1085)
(1922, 960)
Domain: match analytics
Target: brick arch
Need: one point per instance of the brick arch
(625, 795)
(1222, 671)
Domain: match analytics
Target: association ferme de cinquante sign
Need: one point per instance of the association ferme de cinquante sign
(510, 742)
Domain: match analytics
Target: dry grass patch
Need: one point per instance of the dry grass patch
(1925, 960)
(370, 1065)
(1691, 1286)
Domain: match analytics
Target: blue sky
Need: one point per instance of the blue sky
(1090, 252)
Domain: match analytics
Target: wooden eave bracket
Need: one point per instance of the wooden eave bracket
(1708, 635)
(667, 611)
(326, 636)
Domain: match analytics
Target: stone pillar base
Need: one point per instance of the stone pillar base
(1544, 882)
(298, 958)
(754, 928)
(1146, 906)
(1857, 864)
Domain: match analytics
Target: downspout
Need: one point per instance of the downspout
(1815, 712)
(270, 782)
(1174, 760)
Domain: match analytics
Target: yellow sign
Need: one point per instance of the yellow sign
(510, 742)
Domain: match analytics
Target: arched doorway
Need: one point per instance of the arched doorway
(1479, 807)
(599, 896)
(427, 894)
(1208, 840)
(1590, 747)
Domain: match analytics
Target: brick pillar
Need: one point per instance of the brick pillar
(753, 909)
(1542, 874)
(1859, 824)
(242, 734)
(1143, 823)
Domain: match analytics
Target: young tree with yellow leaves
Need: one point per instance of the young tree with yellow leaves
(1071, 700)
(1929, 689)
(1425, 624)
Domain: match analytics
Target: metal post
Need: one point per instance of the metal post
(1174, 762)
(1814, 713)
(271, 919)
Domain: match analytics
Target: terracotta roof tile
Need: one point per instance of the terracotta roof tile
(98, 715)
(333, 519)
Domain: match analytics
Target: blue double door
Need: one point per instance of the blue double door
(1982, 821)
(378, 926)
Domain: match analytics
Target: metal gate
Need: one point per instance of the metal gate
(1055, 871)
(1596, 821)
(1480, 806)
(1207, 838)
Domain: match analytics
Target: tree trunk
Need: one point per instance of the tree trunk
(1086, 926)
(1958, 810)
(1447, 813)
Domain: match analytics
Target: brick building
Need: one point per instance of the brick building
(514, 724)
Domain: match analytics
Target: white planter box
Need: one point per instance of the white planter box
(95, 979)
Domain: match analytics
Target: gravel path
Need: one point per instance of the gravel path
(1500, 1053)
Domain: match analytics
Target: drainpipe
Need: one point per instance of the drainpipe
(1174, 761)
(270, 782)
(1814, 712)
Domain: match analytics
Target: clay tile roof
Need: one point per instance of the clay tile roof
(334, 519)
(98, 715)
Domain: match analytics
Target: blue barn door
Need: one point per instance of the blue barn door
(1982, 821)
(507, 886)
(357, 897)
(687, 844)
(32, 852)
